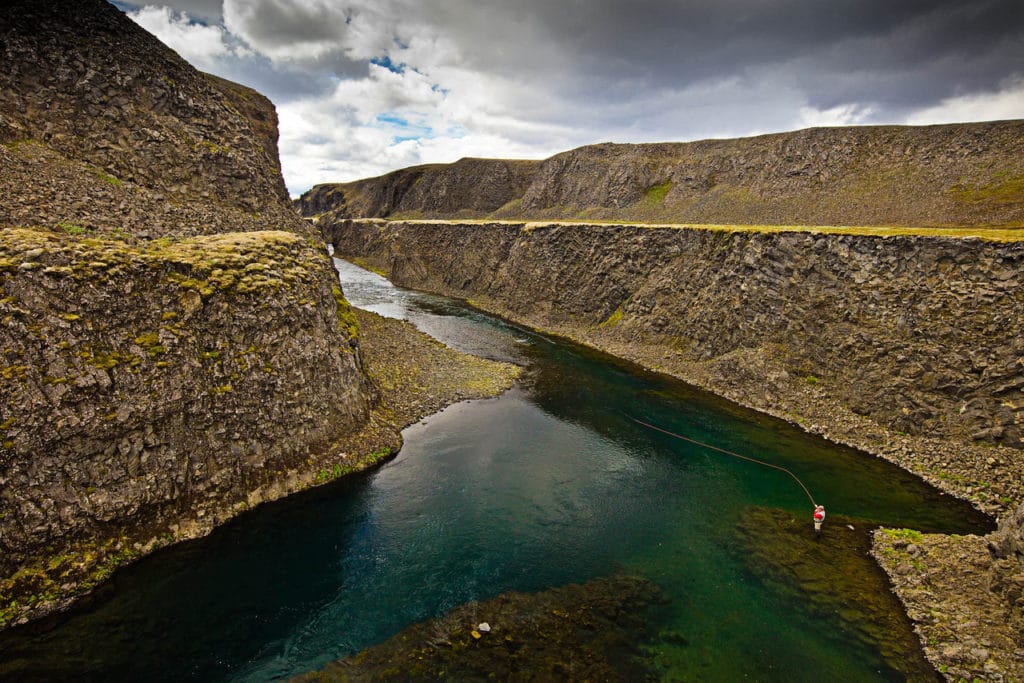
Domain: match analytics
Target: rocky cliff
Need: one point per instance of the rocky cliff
(466, 188)
(107, 100)
(950, 175)
(173, 343)
(908, 346)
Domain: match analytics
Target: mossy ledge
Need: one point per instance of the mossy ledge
(154, 389)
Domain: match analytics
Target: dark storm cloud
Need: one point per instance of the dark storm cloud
(898, 54)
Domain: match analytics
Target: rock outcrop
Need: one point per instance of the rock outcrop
(148, 132)
(948, 175)
(965, 601)
(174, 346)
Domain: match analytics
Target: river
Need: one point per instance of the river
(548, 484)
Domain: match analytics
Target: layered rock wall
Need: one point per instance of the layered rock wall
(468, 187)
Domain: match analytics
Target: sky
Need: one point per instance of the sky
(363, 87)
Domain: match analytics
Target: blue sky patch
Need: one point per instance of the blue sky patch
(386, 62)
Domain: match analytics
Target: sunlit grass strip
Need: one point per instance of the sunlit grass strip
(992, 234)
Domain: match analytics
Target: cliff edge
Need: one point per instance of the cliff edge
(174, 346)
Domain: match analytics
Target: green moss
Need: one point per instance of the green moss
(107, 178)
(85, 564)
(811, 379)
(168, 315)
(346, 317)
(655, 194)
(613, 319)
(209, 355)
(149, 341)
(71, 228)
(1002, 189)
(223, 389)
(14, 372)
(910, 535)
(339, 470)
(107, 360)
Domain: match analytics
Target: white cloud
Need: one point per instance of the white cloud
(1005, 103)
(842, 115)
(201, 45)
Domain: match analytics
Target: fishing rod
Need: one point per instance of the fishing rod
(726, 452)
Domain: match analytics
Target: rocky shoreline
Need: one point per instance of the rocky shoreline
(965, 601)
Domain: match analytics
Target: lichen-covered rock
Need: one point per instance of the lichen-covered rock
(145, 387)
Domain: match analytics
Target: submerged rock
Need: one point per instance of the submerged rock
(833, 575)
(588, 631)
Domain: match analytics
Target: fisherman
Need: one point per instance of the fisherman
(819, 517)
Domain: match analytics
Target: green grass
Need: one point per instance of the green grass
(655, 194)
(71, 228)
(1003, 189)
(988, 233)
(613, 319)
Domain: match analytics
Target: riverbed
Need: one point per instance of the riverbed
(552, 483)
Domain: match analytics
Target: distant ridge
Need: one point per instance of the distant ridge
(946, 175)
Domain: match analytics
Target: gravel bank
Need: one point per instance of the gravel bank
(418, 375)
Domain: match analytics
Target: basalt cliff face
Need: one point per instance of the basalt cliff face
(908, 346)
(174, 347)
(949, 175)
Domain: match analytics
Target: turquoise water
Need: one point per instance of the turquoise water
(548, 484)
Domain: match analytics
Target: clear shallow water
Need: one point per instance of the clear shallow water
(548, 484)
